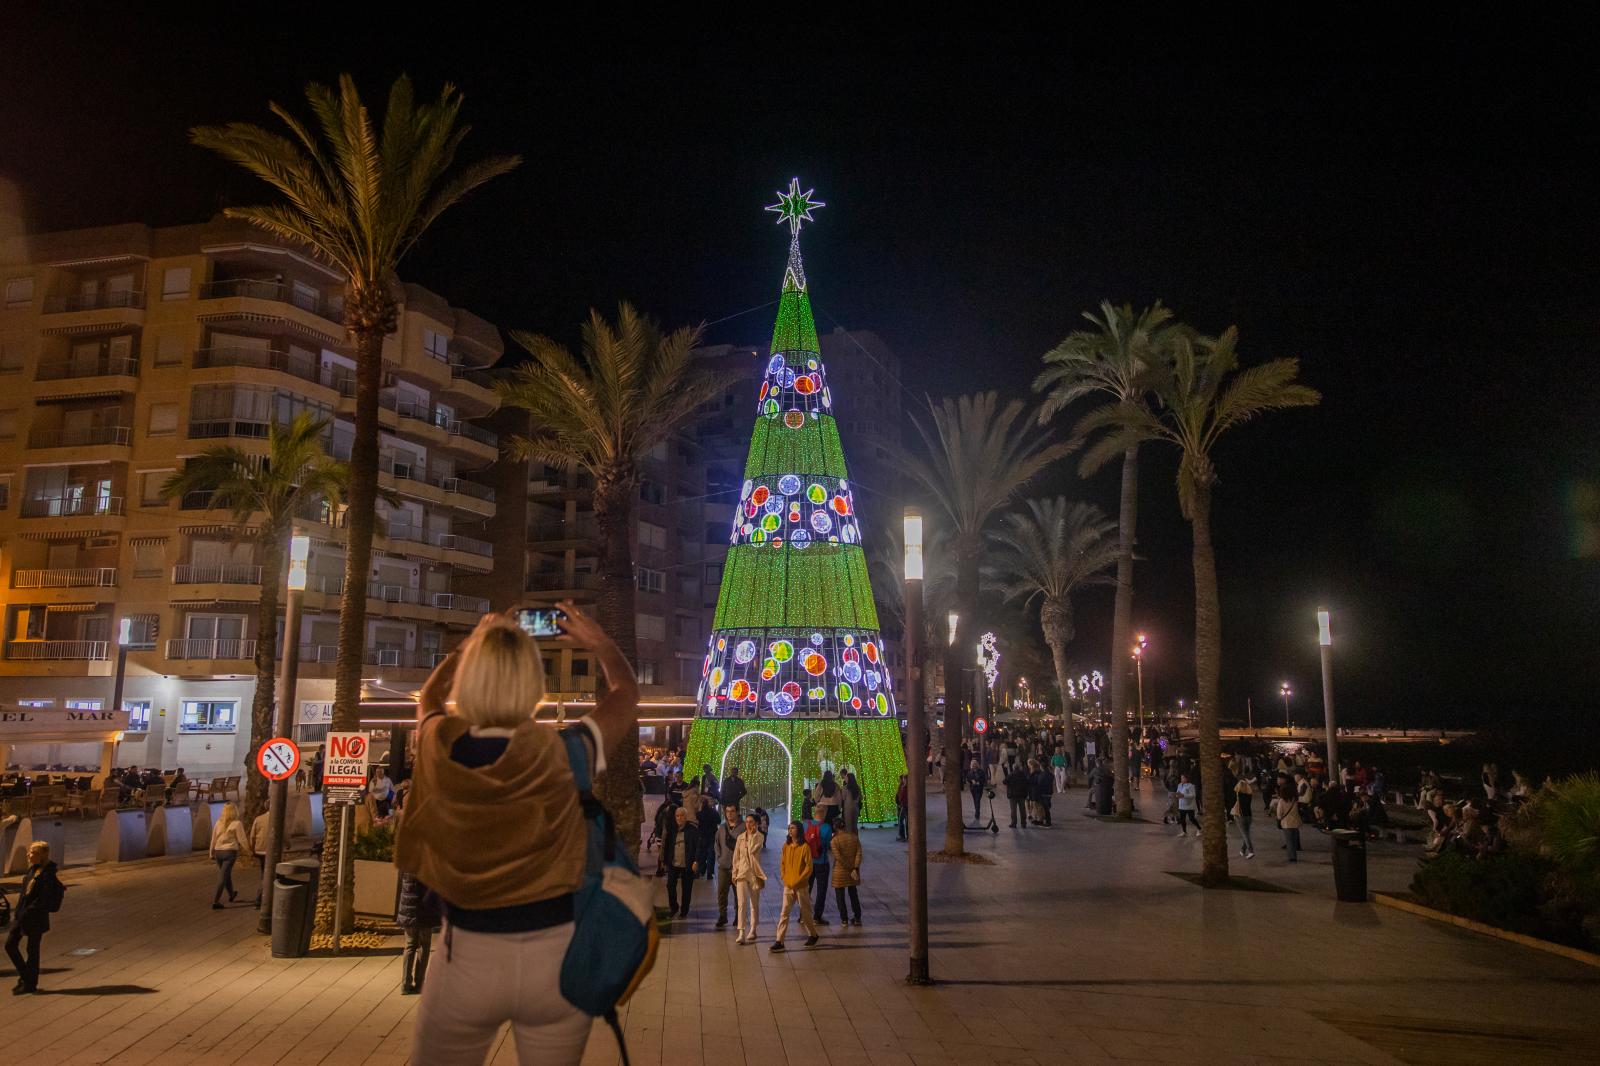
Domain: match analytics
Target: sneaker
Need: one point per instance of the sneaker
(858, 921)
(812, 939)
(821, 921)
(722, 923)
(1184, 833)
(216, 906)
(776, 947)
(1250, 855)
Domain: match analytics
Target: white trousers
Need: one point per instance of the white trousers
(484, 980)
(749, 906)
(793, 897)
(1061, 777)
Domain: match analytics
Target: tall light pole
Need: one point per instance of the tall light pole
(1283, 690)
(288, 681)
(124, 638)
(1138, 662)
(916, 750)
(1325, 641)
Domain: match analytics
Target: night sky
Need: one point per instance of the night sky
(1405, 208)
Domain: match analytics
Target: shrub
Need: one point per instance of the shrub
(376, 844)
(1517, 890)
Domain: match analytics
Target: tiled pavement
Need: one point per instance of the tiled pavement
(1076, 946)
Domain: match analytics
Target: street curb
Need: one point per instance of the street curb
(1588, 958)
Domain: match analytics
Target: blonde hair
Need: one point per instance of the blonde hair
(41, 846)
(230, 814)
(500, 680)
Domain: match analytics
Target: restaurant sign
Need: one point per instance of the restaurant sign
(22, 722)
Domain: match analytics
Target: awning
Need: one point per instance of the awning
(257, 319)
(88, 327)
(70, 608)
(217, 529)
(161, 538)
(68, 397)
(61, 535)
(213, 603)
(100, 260)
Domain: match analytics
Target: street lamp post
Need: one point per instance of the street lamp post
(1283, 690)
(124, 638)
(1325, 641)
(1138, 663)
(916, 763)
(289, 677)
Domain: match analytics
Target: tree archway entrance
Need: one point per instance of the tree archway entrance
(766, 766)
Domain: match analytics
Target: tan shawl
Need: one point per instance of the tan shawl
(497, 835)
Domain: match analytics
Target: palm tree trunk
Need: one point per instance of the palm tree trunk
(1122, 687)
(1055, 621)
(957, 657)
(1058, 658)
(1208, 666)
(261, 716)
(359, 522)
(619, 787)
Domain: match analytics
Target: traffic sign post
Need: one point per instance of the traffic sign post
(980, 726)
(278, 759)
(343, 775)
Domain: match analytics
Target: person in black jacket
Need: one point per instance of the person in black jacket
(418, 915)
(733, 789)
(1017, 785)
(1042, 784)
(31, 918)
(680, 853)
(707, 823)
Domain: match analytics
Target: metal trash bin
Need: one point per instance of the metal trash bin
(1102, 795)
(294, 906)
(1349, 866)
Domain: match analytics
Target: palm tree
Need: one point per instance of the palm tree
(978, 454)
(1200, 395)
(1047, 552)
(632, 389)
(294, 474)
(1111, 360)
(359, 197)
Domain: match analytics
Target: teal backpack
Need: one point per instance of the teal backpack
(615, 939)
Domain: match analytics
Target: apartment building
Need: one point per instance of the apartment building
(127, 350)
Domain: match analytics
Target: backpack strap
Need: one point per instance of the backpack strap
(582, 779)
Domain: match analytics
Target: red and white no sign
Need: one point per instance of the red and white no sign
(278, 759)
(980, 725)
(346, 765)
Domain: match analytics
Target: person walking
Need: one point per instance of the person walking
(902, 810)
(39, 897)
(1041, 784)
(819, 834)
(258, 848)
(794, 869)
(724, 839)
(708, 822)
(496, 829)
(1186, 808)
(680, 850)
(826, 794)
(228, 840)
(417, 915)
(748, 877)
(1058, 768)
(1243, 804)
(853, 802)
(847, 873)
(975, 784)
(382, 791)
(733, 789)
(1017, 786)
(1286, 809)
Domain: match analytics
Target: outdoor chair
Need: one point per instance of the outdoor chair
(232, 786)
(109, 799)
(217, 792)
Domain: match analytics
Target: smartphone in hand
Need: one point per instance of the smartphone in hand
(541, 621)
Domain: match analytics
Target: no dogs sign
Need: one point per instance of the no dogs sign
(346, 765)
(278, 759)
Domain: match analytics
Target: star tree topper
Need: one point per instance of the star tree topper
(795, 207)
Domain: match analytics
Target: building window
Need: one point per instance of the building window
(209, 716)
(84, 705)
(143, 628)
(175, 283)
(8, 425)
(652, 492)
(652, 535)
(650, 626)
(19, 292)
(138, 715)
(651, 580)
(150, 482)
(149, 558)
(647, 671)
(436, 345)
(163, 419)
(5, 493)
(38, 705)
(11, 355)
(169, 349)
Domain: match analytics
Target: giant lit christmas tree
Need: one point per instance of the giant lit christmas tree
(795, 680)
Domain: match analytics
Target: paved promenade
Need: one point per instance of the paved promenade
(1077, 946)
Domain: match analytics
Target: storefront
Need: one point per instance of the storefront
(37, 740)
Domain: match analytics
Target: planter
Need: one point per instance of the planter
(377, 887)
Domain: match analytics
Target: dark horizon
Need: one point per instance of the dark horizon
(1409, 216)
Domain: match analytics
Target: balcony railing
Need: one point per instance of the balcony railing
(70, 506)
(470, 545)
(303, 366)
(71, 578)
(193, 648)
(548, 582)
(460, 372)
(261, 289)
(94, 301)
(456, 601)
(394, 593)
(467, 488)
(327, 654)
(86, 437)
(472, 432)
(213, 428)
(216, 574)
(87, 367)
(33, 650)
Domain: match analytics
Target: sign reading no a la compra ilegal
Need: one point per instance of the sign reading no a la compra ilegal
(346, 762)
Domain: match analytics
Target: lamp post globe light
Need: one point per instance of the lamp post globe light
(1140, 644)
(916, 754)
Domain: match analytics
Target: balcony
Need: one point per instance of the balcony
(93, 301)
(40, 650)
(214, 428)
(456, 601)
(191, 648)
(470, 545)
(102, 366)
(476, 434)
(88, 437)
(81, 577)
(545, 581)
(276, 291)
(216, 574)
(70, 506)
(302, 366)
(393, 658)
(468, 488)
(394, 594)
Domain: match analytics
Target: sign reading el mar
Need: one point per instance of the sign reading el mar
(33, 720)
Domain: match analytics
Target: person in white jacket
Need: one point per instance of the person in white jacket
(228, 840)
(748, 877)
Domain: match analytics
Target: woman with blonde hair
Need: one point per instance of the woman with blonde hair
(493, 825)
(228, 840)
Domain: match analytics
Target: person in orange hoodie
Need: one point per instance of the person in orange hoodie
(795, 870)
